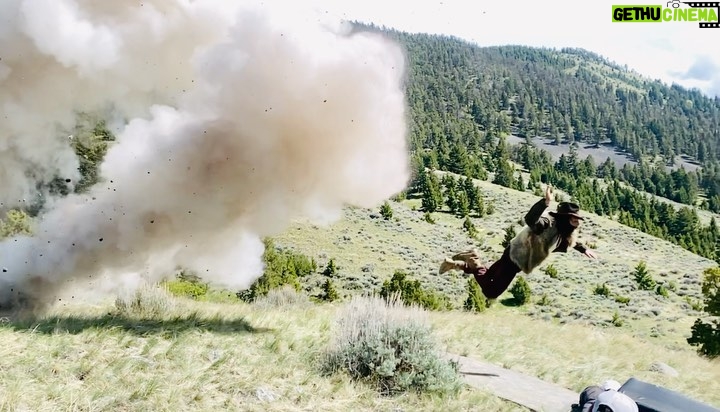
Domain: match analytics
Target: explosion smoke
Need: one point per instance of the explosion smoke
(229, 123)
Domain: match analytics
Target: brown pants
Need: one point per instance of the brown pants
(495, 280)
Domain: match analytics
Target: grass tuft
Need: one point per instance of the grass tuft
(148, 301)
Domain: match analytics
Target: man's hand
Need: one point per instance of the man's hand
(548, 195)
(589, 253)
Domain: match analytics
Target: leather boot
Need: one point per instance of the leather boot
(450, 264)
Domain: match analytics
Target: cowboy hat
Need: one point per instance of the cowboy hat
(567, 209)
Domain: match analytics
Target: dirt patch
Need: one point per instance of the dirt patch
(599, 154)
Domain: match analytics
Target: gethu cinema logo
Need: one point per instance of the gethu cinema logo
(698, 12)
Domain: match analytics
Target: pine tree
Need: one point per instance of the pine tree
(504, 175)
(469, 227)
(470, 189)
(643, 277)
(479, 207)
(459, 162)
(706, 334)
(331, 269)
(463, 204)
(450, 184)
(432, 198)
(386, 211)
(521, 291)
(475, 301)
(329, 293)
(509, 236)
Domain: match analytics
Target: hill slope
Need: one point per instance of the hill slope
(568, 94)
(171, 354)
(368, 249)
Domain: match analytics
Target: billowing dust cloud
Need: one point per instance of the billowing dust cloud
(229, 123)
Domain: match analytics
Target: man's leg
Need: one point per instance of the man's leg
(467, 261)
(495, 280)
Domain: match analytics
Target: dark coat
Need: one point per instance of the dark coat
(539, 238)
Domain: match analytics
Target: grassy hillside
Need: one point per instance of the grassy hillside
(368, 249)
(166, 353)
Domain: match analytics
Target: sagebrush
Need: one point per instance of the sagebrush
(389, 346)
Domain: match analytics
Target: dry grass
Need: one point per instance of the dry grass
(574, 356)
(284, 298)
(220, 356)
(194, 356)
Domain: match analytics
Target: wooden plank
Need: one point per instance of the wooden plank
(528, 391)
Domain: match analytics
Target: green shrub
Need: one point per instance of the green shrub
(510, 234)
(602, 290)
(521, 291)
(711, 291)
(490, 208)
(411, 292)
(696, 305)
(476, 301)
(643, 278)
(16, 222)
(193, 289)
(330, 269)
(706, 332)
(622, 299)
(329, 294)
(544, 300)
(428, 218)
(470, 228)
(551, 271)
(616, 320)
(662, 291)
(282, 267)
(389, 346)
(91, 141)
(386, 211)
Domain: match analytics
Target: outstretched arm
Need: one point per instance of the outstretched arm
(584, 250)
(534, 218)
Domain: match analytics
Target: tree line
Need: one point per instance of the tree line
(593, 187)
(462, 95)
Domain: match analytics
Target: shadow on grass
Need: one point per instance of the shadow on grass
(512, 302)
(479, 374)
(143, 326)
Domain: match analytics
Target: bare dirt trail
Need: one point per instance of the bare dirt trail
(527, 391)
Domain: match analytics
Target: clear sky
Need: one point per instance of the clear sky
(680, 52)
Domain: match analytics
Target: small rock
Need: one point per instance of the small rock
(265, 395)
(663, 368)
(215, 355)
